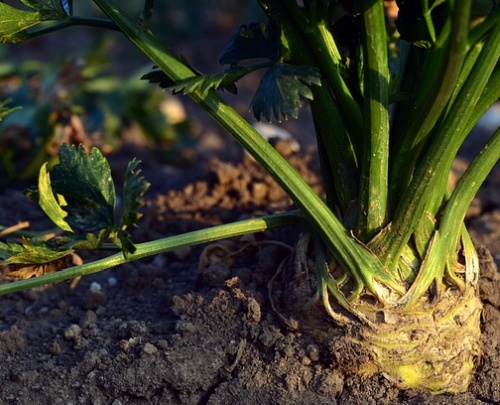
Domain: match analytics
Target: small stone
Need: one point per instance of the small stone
(185, 327)
(88, 319)
(137, 328)
(253, 311)
(56, 348)
(126, 345)
(95, 286)
(72, 332)
(259, 191)
(149, 348)
(305, 361)
(313, 352)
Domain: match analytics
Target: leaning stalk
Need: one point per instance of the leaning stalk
(340, 160)
(159, 246)
(335, 144)
(71, 22)
(326, 53)
(442, 69)
(445, 248)
(354, 257)
(490, 95)
(438, 160)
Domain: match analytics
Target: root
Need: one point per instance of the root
(224, 251)
(434, 349)
(14, 228)
(289, 323)
(434, 346)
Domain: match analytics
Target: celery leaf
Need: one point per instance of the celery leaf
(48, 202)
(255, 40)
(30, 253)
(134, 188)
(50, 9)
(219, 81)
(281, 90)
(14, 22)
(86, 184)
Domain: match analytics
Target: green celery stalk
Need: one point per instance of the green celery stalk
(375, 156)
(365, 268)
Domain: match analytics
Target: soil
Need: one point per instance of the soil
(195, 326)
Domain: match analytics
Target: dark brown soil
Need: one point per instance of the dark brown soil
(195, 326)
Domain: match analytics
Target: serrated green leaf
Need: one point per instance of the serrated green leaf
(92, 241)
(9, 249)
(36, 253)
(160, 77)
(255, 40)
(86, 184)
(13, 23)
(220, 81)
(123, 240)
(281, 89)
(50, 9)
(48, 201)
(134, 187)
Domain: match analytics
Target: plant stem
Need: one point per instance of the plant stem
(374, 179)
(339, 166)
(147, 12)
(338, 158)
(438, 79)
(479, 31)
(339, 162)
(443, 250)
(490, 95)
(328, 59)
(70, 22)
(467, 188)
(436, 163)
(158, 246)
(354, 257)
(427, 13)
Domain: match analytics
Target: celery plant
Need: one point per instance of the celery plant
(392, 253)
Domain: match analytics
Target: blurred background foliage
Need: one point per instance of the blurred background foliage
(82, 85)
